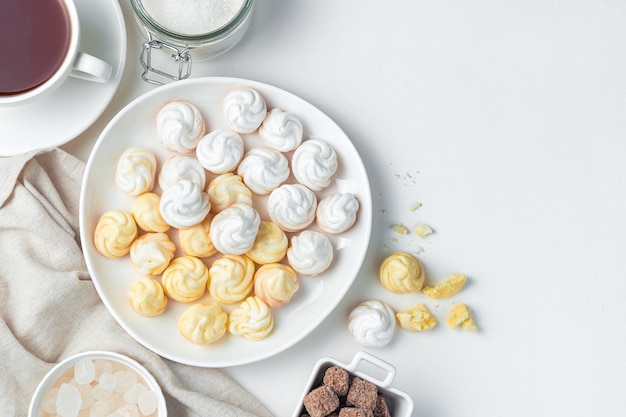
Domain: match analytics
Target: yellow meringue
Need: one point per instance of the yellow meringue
(203, 323)
(226, 190)
(115, 232)
(402, 272)
(275, 284)
(196, 240)
(185, 279)
(252, 320)
(146, 296)
(270, 244)
(231, 278)
(151, 253)
(145, 211)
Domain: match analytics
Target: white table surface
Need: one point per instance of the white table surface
(506, 120)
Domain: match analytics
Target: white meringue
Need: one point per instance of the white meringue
(220, 151)
(226, 190)
(179, 126)
(292, 207)
(281, 130)
(181, 167)
(372, 323)
(310, 252)
(244, 110)
(263, 170)
(233, 230)
(184, 204)
(336, 213)
(314, 163)
(136, 171)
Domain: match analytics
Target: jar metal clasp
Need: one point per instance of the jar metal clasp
(182, 57)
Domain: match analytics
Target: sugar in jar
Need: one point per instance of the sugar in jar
(188, 30)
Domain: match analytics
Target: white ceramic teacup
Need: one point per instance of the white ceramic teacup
(15, 88)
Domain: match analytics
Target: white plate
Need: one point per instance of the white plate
(317, 296)
(73, 107)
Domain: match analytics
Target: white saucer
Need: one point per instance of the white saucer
(71, 109)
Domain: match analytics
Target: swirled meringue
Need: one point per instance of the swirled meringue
(372, 323)
(181, 167)
(203, 323)
(252, 319)
(275, 284)
(292, 207)
(136, 171)
(226, 190)
(244, 110)
(145, 211)
(336, 213)
(185, 279)
(184, 204)
(234, 229)
(146, 297)
(151, 253)
(196, 240)
(263, 170)
(281, 130)
(402, 272)
(310, 252)
(314, 163)
(115, 232)
(179, 126)
(270, 244)
(231, 278)
(220, 151)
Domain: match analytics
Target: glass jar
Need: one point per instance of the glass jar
(182, 48)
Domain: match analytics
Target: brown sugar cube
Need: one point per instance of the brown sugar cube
(321, 402)
(381, 409)
(362, 394)
(355, 412)
(337, 379)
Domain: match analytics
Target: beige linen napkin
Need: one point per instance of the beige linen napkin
(50, 309)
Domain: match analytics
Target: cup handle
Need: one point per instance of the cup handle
(88, 67)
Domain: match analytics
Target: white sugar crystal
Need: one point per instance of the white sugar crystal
(99, 409)
(147, 403)
(49, 402)
(129, 410)
(102, 366)
(125, 380)
(192, 17)
(108, 381)
(100, 393)
(116, 400)
(134, 392)
(85, 394)
(84, 371)
(68, 401)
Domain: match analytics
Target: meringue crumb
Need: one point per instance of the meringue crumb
(452, 285)
(423, 230)
(400, 228)
(415, 206)
(416, 319)
(460, 316)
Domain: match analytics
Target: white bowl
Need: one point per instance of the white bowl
(399, 402)
(51, 377)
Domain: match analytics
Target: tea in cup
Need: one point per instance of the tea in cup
(43, 37)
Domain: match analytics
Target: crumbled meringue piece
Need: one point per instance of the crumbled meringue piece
(336, 213)
(244, 110)
(234, 229)
(136, 171)
(314, 163)
(263, 170)
(220, 151)
(181, 167)
(184, 204)
(372, 323)
(252, 319)
(310, 253)
(180, 126)
(292, 207)
(281, 130)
